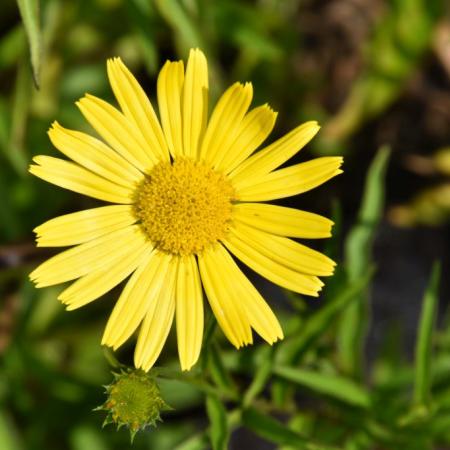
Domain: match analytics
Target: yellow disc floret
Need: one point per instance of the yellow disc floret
(184, 206)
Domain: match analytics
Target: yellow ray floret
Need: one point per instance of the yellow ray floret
(290, 181)
(189, 311)
(222, 126)
(194, 103)
(137, 108)
(73, 177)
(170, 88)
(186, 196)
(283, 221)
(83, 226)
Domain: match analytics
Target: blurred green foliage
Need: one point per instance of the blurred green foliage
(315, 390)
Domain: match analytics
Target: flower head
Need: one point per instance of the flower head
(188, 192)
(134, 401)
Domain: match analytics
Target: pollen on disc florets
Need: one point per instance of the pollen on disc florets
(184, 206)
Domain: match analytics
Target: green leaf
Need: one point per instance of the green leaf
(181, 23)
(197, 442)
(400, 38)
(422, 385)
(219, 433)
(218, 371)
(15, 150)
(334, 386)
(9, 436)
(87, 437)
(358, 255)
(295, 347)
(262, 375)
(274, 431)
(291, 350)
(359, 242)
(143, 18)
(29, 10)
(12, 45)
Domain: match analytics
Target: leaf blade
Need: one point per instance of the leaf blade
(422, 383)
(29, 11)
(219, 431)
(335, 386)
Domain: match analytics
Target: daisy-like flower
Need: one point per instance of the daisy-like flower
(188, 193)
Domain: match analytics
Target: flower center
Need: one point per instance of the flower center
(184, 206)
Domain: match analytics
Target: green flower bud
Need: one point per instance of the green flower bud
(133, 401)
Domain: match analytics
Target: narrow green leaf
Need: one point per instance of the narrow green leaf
(218, 371)
(359, 242)
(15, 150)
(143, 18)
(261, 377)
(271, 429)
(86, 437)
(181, 23)
(274, 431)
(29, 10)
(358, 255)
(199, 441)
(9, 436)
(291, 350)
(218, 432)
(12, 45)
(422, 385)
(400, 38)
(334, 386)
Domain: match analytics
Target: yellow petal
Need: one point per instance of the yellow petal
(225, 303)
(283, 221)
(285, 251)
(189, 311)
(276, 154)
(94, 155)
(272, 270)
(138, 296)
(259, 314)
(225, 120)
(157, 323)
(83, 226)
(73, 177)
(86, 258)
(93, 285)
(292, 180)
(137, 108)
(252, 132)
(195, 103)
(118, 131)
(169, 88)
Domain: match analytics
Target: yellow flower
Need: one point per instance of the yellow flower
(187, 194)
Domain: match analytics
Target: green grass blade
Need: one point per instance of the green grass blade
(422, 384)
(29, 10)
(358, 255)
(334, 386)
(219, 433)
